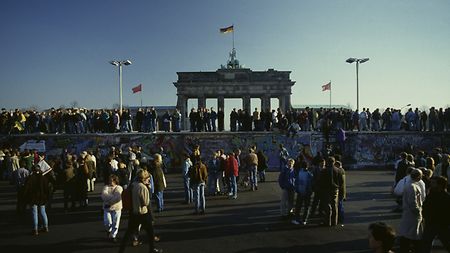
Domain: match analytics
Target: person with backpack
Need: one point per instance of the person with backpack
(141, 213)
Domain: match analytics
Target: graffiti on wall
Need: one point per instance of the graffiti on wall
(368, 149)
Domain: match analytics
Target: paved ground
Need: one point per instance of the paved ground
(248, 224)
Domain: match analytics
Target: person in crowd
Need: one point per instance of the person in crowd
(112, 206)
(159, 180)
(213, 119)
(82, 174)
(331, 182)
(262, 165)
(304, 189)
(233, 120)
(220, 119)
(36, 192)
(223, 164)
(318, 165)
(286, 181)
(429, 164)
(166, 119)
(342, 193)
(283, 155)
(198, 176)
(381, 237)
(69, 185)
(411, 223)
(252, 165)
(232, 172)
(214, 174)
(19, 178)
(436, 209)
(442, 169)
(141, 214)
(176, 120)
(293, 129)
(188, 193)
(90, 162)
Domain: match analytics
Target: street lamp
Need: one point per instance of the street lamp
(358, 61)
(120, 64)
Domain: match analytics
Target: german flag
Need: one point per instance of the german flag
(227, 29)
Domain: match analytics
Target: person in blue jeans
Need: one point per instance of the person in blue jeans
(187, 164)
(303, 188)
(36, 191)
(342, 194)
(214, 173)
(159, 180)
(252, 163)
(231, 172)
(198, 175)
(286, 181)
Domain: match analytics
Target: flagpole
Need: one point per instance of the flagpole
(233, 34)
(142, 90)
(330, 94)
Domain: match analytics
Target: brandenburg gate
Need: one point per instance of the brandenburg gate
(233, 81)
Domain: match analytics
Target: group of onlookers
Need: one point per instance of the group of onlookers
(80, 120)
(326, 119)
(221, 173)
(421, 190)
(317, 185)
(307, 185)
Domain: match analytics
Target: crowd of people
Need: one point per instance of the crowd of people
(310, 187)
(80, 120)
(421, 190)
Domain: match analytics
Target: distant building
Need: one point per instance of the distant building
(233, 81)
(320, 106)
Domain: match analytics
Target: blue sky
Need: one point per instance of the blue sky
(57, 52)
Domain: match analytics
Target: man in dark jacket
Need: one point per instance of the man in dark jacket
(36, 191)
(436, 209)
(331, 182)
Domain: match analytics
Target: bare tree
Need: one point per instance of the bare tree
(74, 104)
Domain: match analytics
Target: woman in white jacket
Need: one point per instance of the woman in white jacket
(112, 206)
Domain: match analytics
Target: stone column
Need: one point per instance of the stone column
(265, 103)
(221, 103)
(246, 103)
(182, 106)
(282, 104)
(201, 102)
(287, 105)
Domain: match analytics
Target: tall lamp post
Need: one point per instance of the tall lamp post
(120, 64)
(358, 61)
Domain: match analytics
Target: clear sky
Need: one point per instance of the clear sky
(57, 52)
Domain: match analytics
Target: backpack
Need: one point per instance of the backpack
(127, 200)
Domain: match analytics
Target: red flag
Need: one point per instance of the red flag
(137, 88)
(326, 86)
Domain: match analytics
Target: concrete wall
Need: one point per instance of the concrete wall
(361, 149)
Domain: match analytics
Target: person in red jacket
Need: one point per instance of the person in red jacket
(232, 171)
